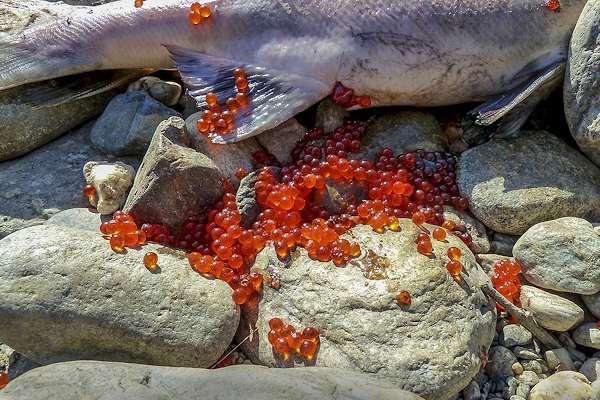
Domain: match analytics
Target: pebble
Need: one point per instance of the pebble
(592, 302)
(516, 397)
(561, 255)
(523, 390)
(526, 353)
(502, 244)
(591, 368)
(559, 359)
(587, 335)
(515, 335)
(528, 378)
(472, 392)
(112, 182)
(167, 183)
(517, 368)
(166, 92)
(581, 82)
(509, 201)
(535, 366)
(500, 362)
(77, 299)
(362, 326)
(512, 384)
(550, 310)
(128, 123)
(564, 385)
(110, 380)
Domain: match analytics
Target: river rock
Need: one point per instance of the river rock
(500, 362)
(565, 385)
(587, 335)
(166, 92)
(330, 116)
(46, 181)
(581, 82)
(561, 255)
(549, 310)
(515, 335)
(109, 380)
(67, 296)
(559, 359)
(228, 158)
(559, 182)
(434, 347)
(112, 182)
(465, 222)
(280, 141)
(127, 125)
(174, 181)
(593, 303)
(402, 132)
(591, 369)
(503, 244)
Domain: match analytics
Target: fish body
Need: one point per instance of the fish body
(412, 52)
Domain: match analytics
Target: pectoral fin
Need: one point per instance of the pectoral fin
(275, 96)
(504, 116)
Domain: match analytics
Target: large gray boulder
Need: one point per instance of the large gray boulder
(433, 347)
(513, 184)
(92, 380)
(67, 296)
(582, 86)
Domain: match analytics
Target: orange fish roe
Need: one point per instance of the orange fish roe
(89, 191)
(241, 173)
(506, 280)
(439, 234)
(552, 5)
(286, 341)
(138, 3)
(454, 268)
(403, 298)
(151, 261)
(344, 97)
(198, 13)
(3, 379)
(215, 120)
(454, 253)
(598, 324)
(413, 185)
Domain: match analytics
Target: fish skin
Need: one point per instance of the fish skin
(413, 52)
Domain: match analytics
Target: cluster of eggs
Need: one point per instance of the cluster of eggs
(220, 121)
(287, 342)
(198, 13)
(506, 280)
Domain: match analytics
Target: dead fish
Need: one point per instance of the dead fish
(413, 52)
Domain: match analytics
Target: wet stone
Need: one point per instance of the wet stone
(128, 123)
(550, 310)
(559, 182)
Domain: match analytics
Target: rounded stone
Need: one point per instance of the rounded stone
(550, 310)
(561, 255)
(587, 335)
(402, 132)
(515, 335)
(559, 181)
(581, 82)
(565, 385)
(112, 182)
(128, 123)
(281, 140)
(166, 92)
(500, 362)
(590, 368)
(330, 116)
(528, 378)
(111, 380)
(434, 347)
(592, 302)
(67, 296)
